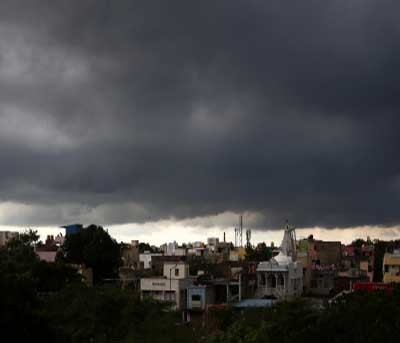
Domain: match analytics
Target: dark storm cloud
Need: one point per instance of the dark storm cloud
(191, 108)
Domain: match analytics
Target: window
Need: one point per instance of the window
(196, 300)
(176, 272)
(386, 268)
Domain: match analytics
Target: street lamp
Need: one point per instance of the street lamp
(170, 281)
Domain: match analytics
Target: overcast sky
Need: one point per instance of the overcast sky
(116, 112)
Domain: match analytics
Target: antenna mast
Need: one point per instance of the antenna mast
(239, 233)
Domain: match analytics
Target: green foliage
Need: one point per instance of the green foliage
(103, 314)
(51, 277)
(199, 263)
(22, 279)
(260, 253)
(146, 247)
(94, 248)
(357, 317)
(221, 319)
(19, 252)
(359, 242)
(43, 301)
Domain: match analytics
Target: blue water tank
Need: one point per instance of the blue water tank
(71, 229)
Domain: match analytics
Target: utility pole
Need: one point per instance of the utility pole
(170, 283)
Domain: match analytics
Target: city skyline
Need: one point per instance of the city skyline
(165, 232)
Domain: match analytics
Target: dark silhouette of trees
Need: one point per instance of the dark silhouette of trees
(23, 278)
(93, 247)
(357, 317)
(146, 247)
(259, 253)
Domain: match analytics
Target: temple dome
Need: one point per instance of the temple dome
(282, 259)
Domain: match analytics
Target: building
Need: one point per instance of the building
(47, 256)
(131, 265)
(157, 262)
(173, 249)
(48, 251)
(357, 262)
(59, 239)
(199, 297)
(198, 244)
(282, 276)
(391, 267)
(198, 251)
(130, 255)
(5, 236)
(171, 287)
(237, 254)
(212, 243)
(146, 259)
(321, 262)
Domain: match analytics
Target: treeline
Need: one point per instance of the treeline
(357, 317)
(49, 302)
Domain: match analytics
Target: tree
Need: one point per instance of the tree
(20, 305)
(93, 247)
(357, 317)
(260, 253)
(146, 247)
(106, 314)
(19, 251)
(359, 242)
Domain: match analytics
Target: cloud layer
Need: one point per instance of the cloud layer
(133, 111)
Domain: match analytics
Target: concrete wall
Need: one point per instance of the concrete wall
(130, 255)
(176, 270)
(146, 258)
(164, 289)
(327, 253)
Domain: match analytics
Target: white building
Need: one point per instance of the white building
(171, 287)
(146, 258)
(212, 241)
(198, 244)
(282, 276)
(202, 252)
(173, 249)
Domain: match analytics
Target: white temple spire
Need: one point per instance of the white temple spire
(288, 245)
